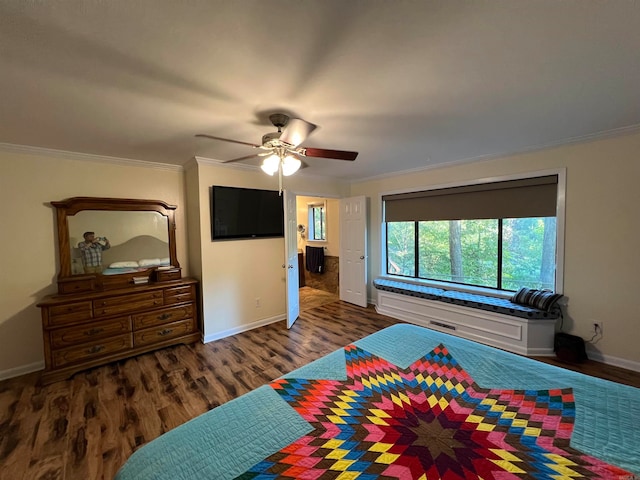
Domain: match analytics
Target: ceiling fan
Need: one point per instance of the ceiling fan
(282, 148)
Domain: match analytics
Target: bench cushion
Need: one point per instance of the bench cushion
(411, 289)
(495, 304)
(472, 300)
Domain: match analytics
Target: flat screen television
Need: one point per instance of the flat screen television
(238, 213)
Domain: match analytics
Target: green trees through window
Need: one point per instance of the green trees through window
(504, 254)
(317, 222)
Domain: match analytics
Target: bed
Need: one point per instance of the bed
(137, 254)
(408, 402)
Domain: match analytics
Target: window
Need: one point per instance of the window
(499, 235)
(317, 222)
(503, 254)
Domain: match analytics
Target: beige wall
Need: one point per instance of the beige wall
(28, 183)
(602, 264)
(237, 272)
(193, 219)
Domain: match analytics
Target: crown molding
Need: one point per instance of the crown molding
(219, 163)
(616, 132)
(68, 155)
(87, 157)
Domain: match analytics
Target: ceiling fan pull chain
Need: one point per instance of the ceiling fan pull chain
(280, 177)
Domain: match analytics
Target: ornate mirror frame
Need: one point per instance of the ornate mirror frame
(70, 283)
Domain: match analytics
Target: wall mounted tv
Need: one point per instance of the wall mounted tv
(238, 213)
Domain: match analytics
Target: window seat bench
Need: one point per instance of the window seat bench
(490, 320)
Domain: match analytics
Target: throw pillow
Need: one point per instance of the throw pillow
(540, 299)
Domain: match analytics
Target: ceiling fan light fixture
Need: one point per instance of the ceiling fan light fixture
(290, 165)
(270, 164)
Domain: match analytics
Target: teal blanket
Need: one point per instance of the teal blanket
(228, 440)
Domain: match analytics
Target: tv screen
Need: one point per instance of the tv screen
(245, 213)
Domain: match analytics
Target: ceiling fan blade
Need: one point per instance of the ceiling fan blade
(324, 153)
(296, 131)
(204, 135)
(246, 157)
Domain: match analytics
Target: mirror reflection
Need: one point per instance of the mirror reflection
(117, 241)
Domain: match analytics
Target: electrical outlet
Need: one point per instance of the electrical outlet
(598, 327)
(257, 302)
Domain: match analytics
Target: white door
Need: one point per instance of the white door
(353, 250)
(291, 257)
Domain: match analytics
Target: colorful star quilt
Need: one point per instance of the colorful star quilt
(427, 421)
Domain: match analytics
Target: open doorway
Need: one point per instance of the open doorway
(318, 250)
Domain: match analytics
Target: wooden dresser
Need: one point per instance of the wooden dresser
(85, 330)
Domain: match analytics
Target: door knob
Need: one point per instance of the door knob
(361, 257)
(284, 266)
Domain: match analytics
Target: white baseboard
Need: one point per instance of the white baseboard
(243, 328)
(598, 356)
(22, 370)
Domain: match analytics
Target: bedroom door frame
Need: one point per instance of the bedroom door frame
(291, 256)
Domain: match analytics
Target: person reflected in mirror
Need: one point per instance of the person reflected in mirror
(91, 251)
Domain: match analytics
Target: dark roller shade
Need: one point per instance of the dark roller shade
(529, 197)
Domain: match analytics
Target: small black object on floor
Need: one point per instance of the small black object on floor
(569, 348)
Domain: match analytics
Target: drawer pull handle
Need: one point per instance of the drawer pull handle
(164, 332)
(96, 349)
(94, 331)
(164, 316)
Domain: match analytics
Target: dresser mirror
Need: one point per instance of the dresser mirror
(135, 237)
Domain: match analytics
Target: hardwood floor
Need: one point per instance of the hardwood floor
(86, 427)
(312, 298)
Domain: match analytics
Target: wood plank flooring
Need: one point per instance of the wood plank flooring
(312, 298)
(86, 427)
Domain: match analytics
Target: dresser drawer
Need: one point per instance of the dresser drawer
(91, 351)
(89, 332)
(160, 317)
(179, 294)
(83, 330)
(126, 303)
(69, 313)
(168, 275)
(163, 332)
(76, 285)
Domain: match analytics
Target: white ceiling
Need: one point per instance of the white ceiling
(408, 84)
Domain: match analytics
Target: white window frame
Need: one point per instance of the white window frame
(560, 231)
(311, 224)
